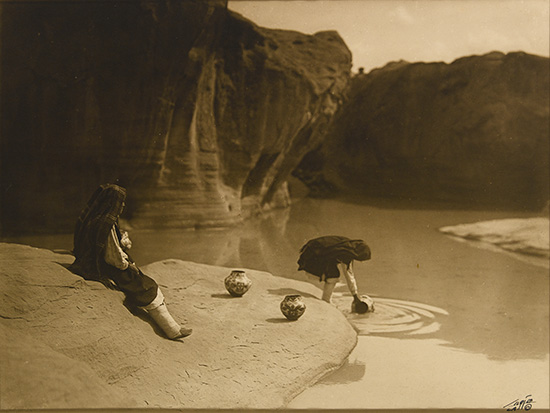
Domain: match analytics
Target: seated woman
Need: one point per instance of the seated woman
(101, 252)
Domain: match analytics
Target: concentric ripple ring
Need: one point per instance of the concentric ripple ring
(392, 316)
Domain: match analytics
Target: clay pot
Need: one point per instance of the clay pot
(365, 305)
(237, 283)
(293, 306)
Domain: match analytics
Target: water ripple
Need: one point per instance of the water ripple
(393, 316)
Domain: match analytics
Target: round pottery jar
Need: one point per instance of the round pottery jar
(366, 305)
(237, 283)
(293, 306)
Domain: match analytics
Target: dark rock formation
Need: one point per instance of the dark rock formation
(201, 114)
(474, 131)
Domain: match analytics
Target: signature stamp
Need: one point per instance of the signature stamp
(524, 404)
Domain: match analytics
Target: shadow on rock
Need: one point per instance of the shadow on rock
(66, 266)
(289, 291)
(226, 296)
(142, 315)
(277, 320)
(130, 306)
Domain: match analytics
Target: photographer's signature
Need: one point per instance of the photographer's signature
(523, 404)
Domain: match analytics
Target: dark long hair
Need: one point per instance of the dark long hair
(92, 229)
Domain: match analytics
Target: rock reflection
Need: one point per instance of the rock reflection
(260, 244)
(497, 305)
(351, 371)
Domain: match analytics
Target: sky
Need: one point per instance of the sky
(381, 31)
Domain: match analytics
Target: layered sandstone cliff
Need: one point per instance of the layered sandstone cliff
(201, 114)
(474, 131)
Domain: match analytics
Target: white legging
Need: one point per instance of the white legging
(328, 288)
(347, 272)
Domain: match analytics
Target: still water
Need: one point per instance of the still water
(454, 325)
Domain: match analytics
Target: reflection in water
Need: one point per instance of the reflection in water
(351, 371)
(497, 305)
(540, 261)
(425, 374)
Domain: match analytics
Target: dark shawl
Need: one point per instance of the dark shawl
(93, 228)
(321, 255)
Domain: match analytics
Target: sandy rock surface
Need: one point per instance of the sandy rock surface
(71, 343)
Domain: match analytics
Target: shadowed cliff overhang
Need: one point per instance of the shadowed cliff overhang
(198, 112)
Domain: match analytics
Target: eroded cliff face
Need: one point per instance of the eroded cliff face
(475, 131)
(198, 112)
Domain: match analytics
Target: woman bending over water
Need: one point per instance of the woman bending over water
(330, 258)
(101, 252)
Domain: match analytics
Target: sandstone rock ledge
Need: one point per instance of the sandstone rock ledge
(70, 343)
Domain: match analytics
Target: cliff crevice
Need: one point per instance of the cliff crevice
(200, 113)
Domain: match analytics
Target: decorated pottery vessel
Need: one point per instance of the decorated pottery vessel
(365, 305)
(237, 283)
(293, 306)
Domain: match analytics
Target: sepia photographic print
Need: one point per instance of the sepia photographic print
(317, 205)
